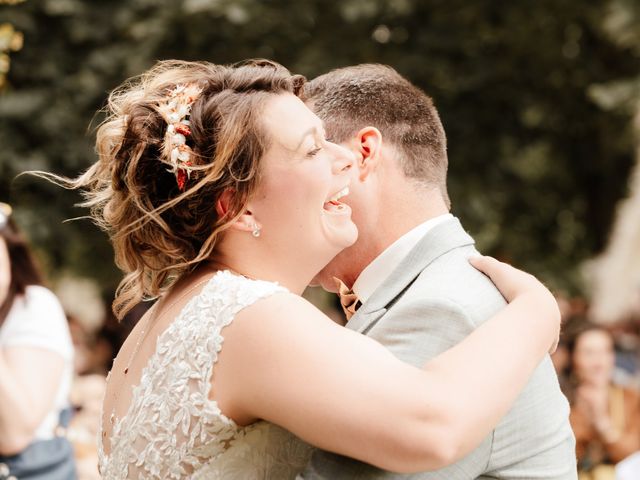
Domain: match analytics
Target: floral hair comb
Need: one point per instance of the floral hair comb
(176, 110)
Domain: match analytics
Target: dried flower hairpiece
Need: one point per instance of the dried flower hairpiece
(176, 110)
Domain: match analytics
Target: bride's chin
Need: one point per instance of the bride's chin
(340, 238)
(351, 236)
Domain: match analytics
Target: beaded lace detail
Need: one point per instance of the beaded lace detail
(172, 429)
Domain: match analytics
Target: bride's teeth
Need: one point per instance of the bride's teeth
(340, 194)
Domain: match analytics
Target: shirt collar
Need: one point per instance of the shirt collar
(374, 274)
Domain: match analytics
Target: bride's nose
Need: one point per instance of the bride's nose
(343, 159)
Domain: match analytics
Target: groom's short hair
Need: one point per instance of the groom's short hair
(351, 98)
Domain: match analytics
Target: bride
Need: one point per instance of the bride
(221, 197)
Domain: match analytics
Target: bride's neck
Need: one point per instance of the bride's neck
(260, 270)
(254, 260)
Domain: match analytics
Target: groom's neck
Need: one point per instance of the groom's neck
(403, 208)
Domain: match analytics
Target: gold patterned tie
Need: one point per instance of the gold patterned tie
(349, 300)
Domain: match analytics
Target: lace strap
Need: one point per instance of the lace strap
(220, 302)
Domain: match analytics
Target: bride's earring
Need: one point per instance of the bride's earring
(256, 230)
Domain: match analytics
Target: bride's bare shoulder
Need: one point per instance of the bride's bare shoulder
(279, 309)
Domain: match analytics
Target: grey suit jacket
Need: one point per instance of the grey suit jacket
(430, 302)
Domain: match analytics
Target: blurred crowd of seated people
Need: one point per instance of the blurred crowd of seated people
(599, 371)
(95, 349)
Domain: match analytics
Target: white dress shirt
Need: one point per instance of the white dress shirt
(377, 271)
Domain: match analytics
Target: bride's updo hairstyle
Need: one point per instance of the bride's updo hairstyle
(161, 225)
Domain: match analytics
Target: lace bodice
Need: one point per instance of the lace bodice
(172, 429)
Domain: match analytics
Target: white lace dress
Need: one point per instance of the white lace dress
(172, 429)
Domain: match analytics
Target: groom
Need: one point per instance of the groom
(416, 292)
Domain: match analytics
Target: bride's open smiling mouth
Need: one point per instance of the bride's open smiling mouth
(333, 204)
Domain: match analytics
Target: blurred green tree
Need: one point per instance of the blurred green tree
(10, 41)
(539, 151)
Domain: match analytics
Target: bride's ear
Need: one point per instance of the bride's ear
(245, 223)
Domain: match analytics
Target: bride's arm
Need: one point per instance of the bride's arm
(283, 361)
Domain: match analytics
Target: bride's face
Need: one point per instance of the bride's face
(303, 178)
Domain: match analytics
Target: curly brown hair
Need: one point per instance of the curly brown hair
(158, 231)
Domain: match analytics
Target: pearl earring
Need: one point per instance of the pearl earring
(256, 230)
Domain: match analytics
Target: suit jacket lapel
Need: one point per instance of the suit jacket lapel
(437, 241)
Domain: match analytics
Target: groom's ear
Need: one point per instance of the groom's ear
(369, 145)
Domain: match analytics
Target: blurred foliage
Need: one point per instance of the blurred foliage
(536, 98)
(10, 41)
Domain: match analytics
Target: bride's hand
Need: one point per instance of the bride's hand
(516, 284)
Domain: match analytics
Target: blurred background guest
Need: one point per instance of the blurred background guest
(94, 352)
(36, 366)
(605, 417)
